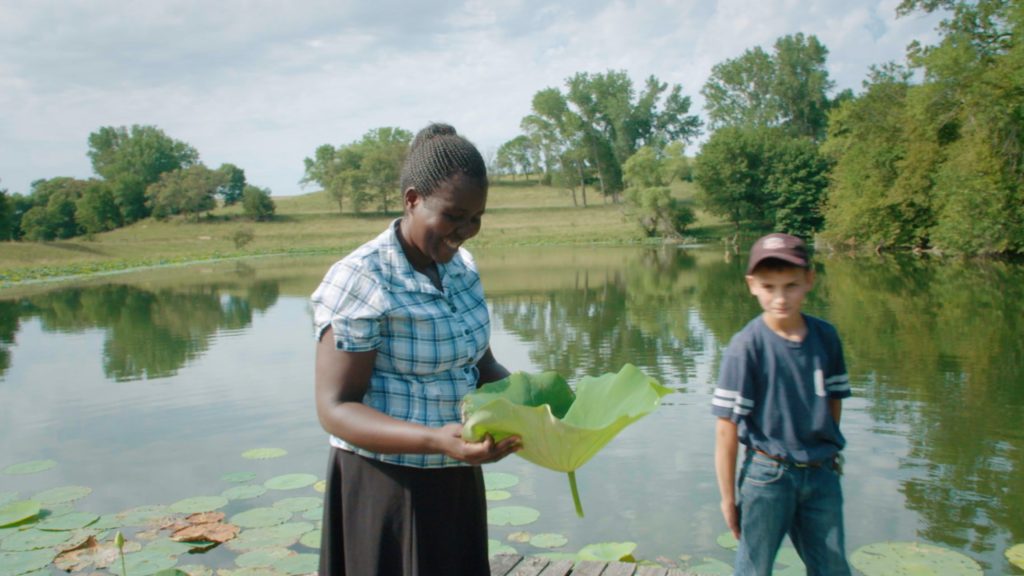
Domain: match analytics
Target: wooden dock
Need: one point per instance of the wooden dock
(515, 565)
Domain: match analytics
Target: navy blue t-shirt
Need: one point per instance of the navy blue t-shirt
(778, 391)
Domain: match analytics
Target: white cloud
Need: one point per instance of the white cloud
(262, 84)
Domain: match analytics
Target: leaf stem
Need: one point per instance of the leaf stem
(575, 494)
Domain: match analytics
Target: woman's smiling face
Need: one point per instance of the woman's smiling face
(435, 226)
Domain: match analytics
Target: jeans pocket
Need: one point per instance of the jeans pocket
(762, 471)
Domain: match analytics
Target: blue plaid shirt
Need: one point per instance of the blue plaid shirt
(427, 341)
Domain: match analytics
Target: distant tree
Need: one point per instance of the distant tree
(677, 166)
(6, 216)
(257, 203)
(384, 150)
(52, 214)
(96, 210)
(131, 160)
(517, 156)
(234, 183)
(362, 171)
(649, 201)
(188, 192)
(787, 88)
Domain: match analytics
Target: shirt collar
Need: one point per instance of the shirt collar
(398, 272)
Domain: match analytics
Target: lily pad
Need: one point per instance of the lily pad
(262, 557)
(18, 511)
(298, 564)
(561, 429)
(244, 492)
(549, 540)
(497, 495)
(196, 570)
(711, 567)
(521, 537)
(311, 539)
(607, 551)
(512, 515)
(258, 571)
(261, 517)
(212, 532)
(1015, 554)
(264, 453)
(62, 495)
(30, 467)
(727, 540)
(912, 558)
(299, 503)
(168, 547)
(33, 539)
(495, 547)
(69, 521)
(6, 497)
(320, 486)
(142, 515)
(144, 563)
(198, 504)
(238, 477)
(282, 535)
(290, 481)
(500, 480)
(314, 514)
(15, 563)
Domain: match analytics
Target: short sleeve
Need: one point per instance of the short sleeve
(837, 381)
(734, 397)
(351, 303)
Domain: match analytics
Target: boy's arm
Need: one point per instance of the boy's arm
(726, 447)
(835, 405)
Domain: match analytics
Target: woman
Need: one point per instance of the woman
(403, 331)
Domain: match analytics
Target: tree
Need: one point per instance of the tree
(188, 192)
(52, 214)
(365, 169)
(234, 183)
(96, 210)
(519, 155)
(257, 203)
(787, 88)
(6, 216)
(131, 160)
(649, 201)
(384, 151)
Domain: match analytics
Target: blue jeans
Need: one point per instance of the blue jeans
(776, 498)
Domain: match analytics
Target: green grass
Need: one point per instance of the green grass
(518, 214)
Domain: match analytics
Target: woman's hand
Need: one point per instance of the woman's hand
(450, 441)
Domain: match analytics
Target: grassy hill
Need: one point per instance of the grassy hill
(518, 213)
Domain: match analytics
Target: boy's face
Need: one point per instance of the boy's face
(781, 292)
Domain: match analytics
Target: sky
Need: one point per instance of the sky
(261, 84)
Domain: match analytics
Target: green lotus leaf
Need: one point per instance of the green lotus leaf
(238, 477)
(6, 497)
(499, 480)
(548, 540)
(495, 547)
(261, 517)
(69, 521)
(1015, 554)
(142, 515)
(244, 492)
(196, 570)
(264, 453)
(711, 567)
(198, 504)
(15, 563)
(320, 486)
(18, 511)
(727, 540)
(290, 481)
(607, 551)
(262, 557)
(560, 429)
(512, 516)
(33, 540)
(282, 535)
(496, 495)
(298, 564)
(521, 537)
(30, 467)
(172, 572)
(144, 563)
(311, 539)
(168, 547)
(790, 559)
(62, 495)
(314, 514)
(299, 503)
(896, 558)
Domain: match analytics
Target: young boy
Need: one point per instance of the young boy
(779, 392)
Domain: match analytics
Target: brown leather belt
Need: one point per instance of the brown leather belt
(815, 464)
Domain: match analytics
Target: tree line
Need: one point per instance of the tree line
(142, 173)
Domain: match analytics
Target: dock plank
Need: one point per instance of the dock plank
(531, 566)
(651, 571)
(558, 568)
(619, 569)
(588, 568)
(502, 564)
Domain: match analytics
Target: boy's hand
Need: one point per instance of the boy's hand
(731, 513)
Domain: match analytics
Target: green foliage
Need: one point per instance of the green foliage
(234, 183)
(787, 88)
(188, 192)
(6, 215)
(242, 237)
(520, 155)
(763, 176)
(132, 160)
(648, 201)
(362, 171)
(52, 215)
(96, 211)
(257, 203)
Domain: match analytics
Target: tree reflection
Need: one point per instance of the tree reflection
(938, 346)
(149, 333)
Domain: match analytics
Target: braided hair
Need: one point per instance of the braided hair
(436, 154)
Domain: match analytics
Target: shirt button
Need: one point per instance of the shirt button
(454, 309)
(466, 331)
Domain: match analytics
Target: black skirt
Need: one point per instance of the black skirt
(386, 520)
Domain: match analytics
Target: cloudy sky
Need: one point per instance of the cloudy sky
(262, 83)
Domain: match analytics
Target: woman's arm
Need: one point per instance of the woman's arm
(342, 379)
(490, 369)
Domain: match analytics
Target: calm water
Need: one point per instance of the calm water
(147, 388)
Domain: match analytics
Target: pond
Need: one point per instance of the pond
(146, 389)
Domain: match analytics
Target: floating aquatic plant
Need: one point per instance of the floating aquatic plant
(500, 480)
(1015, 554)
(244, 492)
(548, 540)
(912, 558)
(497, 495)
(30, 467)
(238, 477)
(560, 429)
(290, 481)
(264, 453)
(608, 552)
(495, 547)
(18, 511)
(512, 516)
